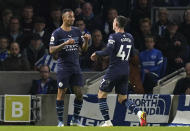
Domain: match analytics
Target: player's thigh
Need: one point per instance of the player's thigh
(63, 79)
(121, 85)
(106, 85)
(76, 80)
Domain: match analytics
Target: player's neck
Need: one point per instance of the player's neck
(119, 30)
(65, 27)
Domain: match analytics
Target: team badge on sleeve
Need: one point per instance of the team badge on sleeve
(52, 39)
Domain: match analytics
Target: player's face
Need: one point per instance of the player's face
(69, 18)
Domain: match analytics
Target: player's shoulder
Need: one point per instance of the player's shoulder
(129, 35)
(56, 31)
(75, 28)
(112, 36)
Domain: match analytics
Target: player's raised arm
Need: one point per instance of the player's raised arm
(106, 52)
(86, 38)
(55, 49)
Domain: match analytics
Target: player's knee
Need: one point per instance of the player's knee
(121, 98)
(79, 97)
(61, 94)
(102, 94)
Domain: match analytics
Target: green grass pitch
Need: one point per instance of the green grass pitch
(67, 128)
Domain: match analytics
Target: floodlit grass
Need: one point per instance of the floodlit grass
(121, 128)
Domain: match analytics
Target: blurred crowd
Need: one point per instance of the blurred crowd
(26, 27)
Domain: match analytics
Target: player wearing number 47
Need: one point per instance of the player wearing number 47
(120, 46)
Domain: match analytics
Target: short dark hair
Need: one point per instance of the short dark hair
(4, 37)
(145, 20)
(28, 6)
(44, 65)
(79, 18)
(149, 37)
(122, 21)
(66, 10)
(39, 19)
(35, 37)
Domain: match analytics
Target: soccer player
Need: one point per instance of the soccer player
(119, 48)
(65, 41)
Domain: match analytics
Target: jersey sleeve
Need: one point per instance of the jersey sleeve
(109, 48)
(53, 39)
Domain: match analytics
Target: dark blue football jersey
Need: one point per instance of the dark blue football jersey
(68, 57)
(120, 47)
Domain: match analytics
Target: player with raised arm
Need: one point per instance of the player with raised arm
(120, 46)
(65, 41)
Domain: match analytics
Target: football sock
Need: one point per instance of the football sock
(77, 108)
(130, 105)
(60, 109)
(104, 108)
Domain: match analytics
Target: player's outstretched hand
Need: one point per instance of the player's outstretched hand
(93, 57)
(70, 42)
(86, 37)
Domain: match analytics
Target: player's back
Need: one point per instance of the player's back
(123, 47)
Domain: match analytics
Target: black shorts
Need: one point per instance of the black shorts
(66, 79)
(120, 83)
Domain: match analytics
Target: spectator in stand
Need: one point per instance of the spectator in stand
(105, 25)
(183, 85)
(27, 17)
(160, 26)
(15, 34)
(55, 19)
(41, 30)
(173, 46)
(139, 37)
(96, 4)
(185, 26)
(4, 24)
(88, 16)
(79, 22)
(142, 10)
(16, 61)
(97, 44)
(48, 60)
(35, 50)
(124, 7)
(151, 61)
(45, 85)
(4, 43)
